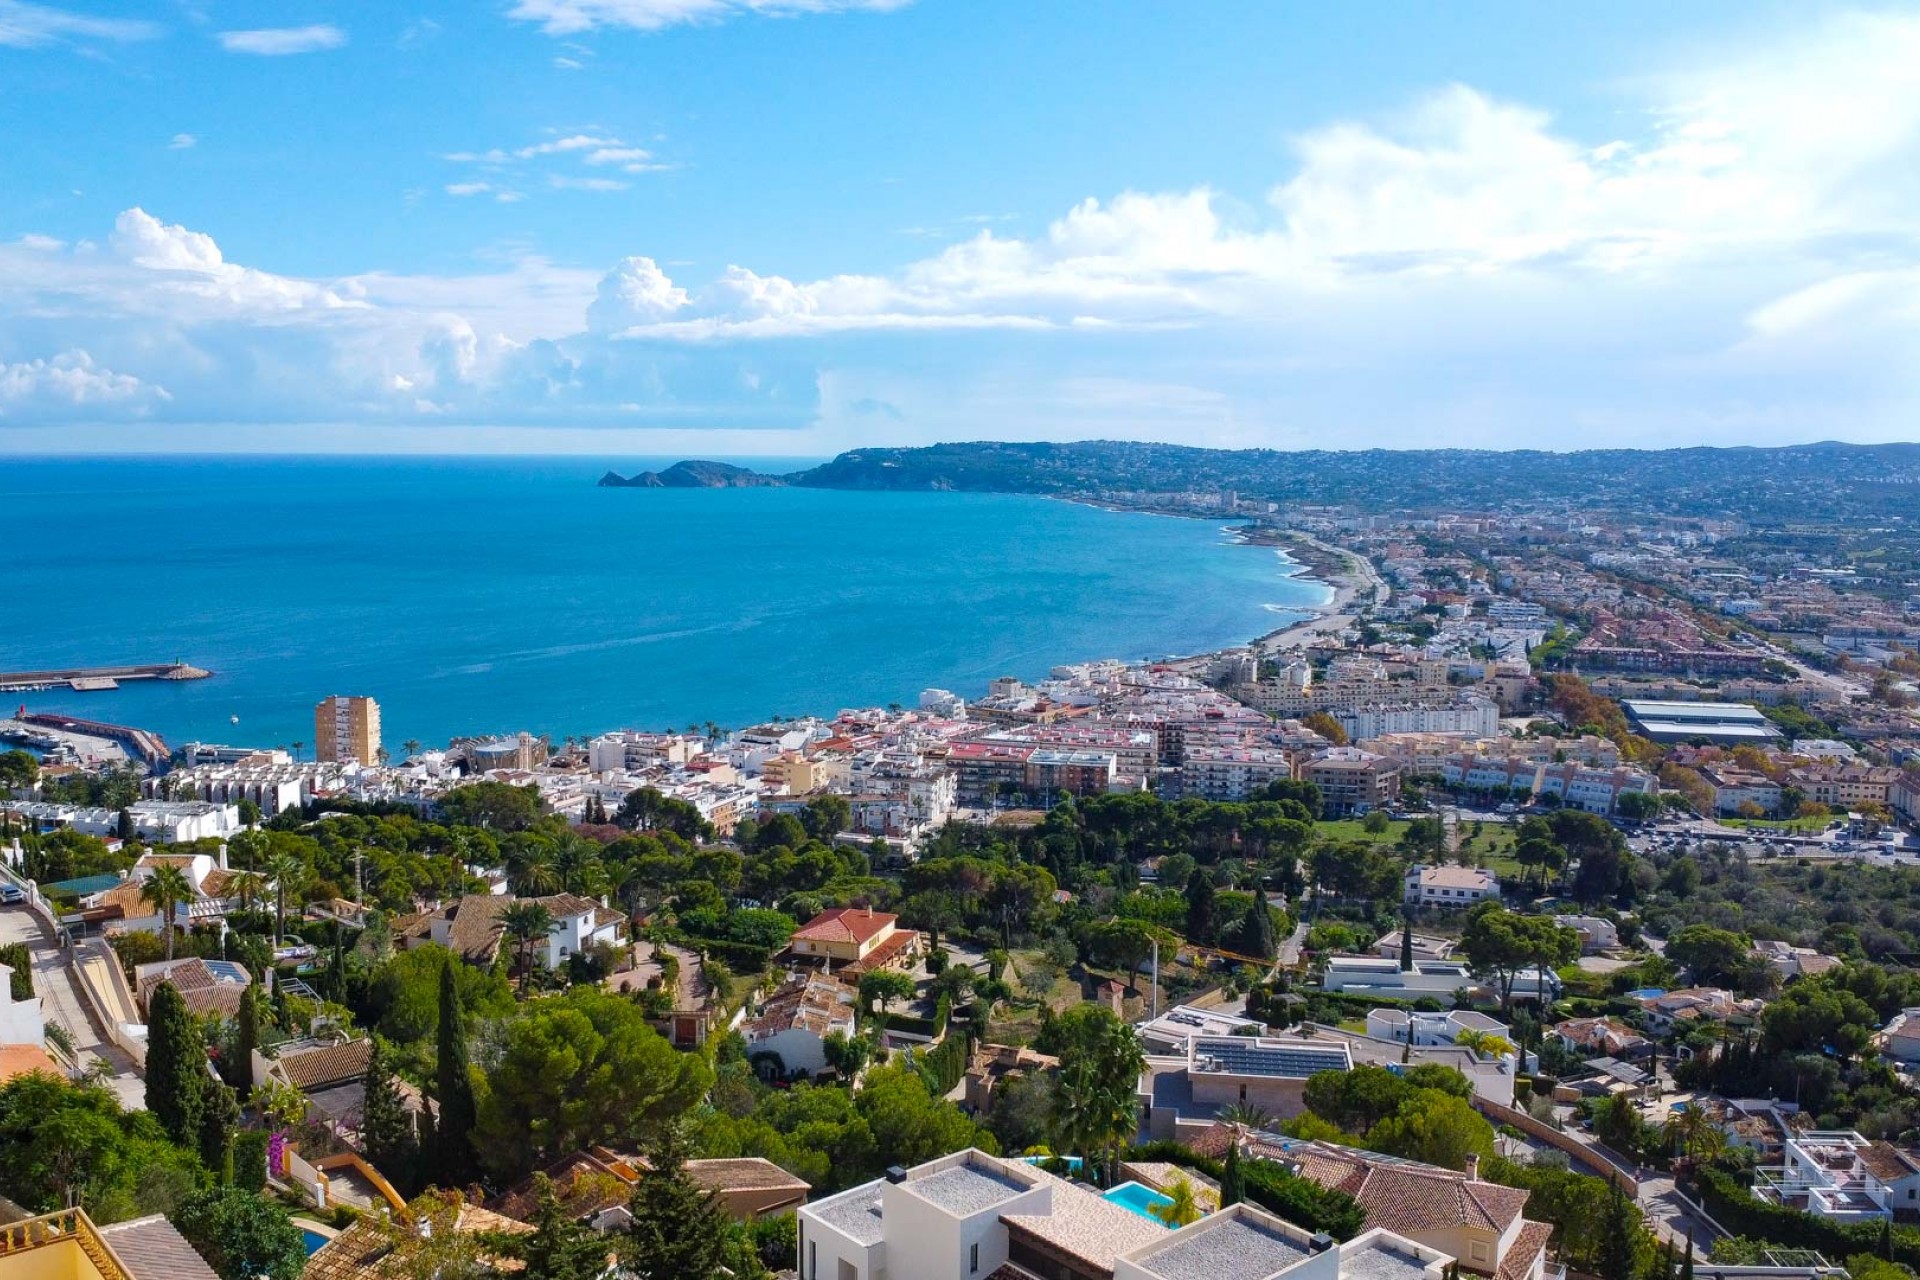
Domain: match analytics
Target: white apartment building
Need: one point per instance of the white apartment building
(155, 821)
(628, 751)
(1468, 714)
(1231, 773)
(1595, 790)
(970, 1216)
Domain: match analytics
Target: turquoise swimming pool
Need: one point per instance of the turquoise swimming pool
(1138, 1198)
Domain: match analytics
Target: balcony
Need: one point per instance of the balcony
(58, 1246)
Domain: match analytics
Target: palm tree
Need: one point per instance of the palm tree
(297, 744)
(525, 923)
(1487, 1044)
(166, 888)
(1181, 1207)
(411, 746)
(285, 872)
(247, 885)
(532, 870)
(1095, 1111)
(1249, 1114)
(1694, 1133)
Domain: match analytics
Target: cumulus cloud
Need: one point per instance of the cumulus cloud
(569, 17)
(277, 42)
(33, 26)
(71, 381)
(1742, 263)
(182, 141)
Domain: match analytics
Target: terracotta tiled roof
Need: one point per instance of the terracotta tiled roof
(153, 1250)
(1887, 1162)
(1524, 1251)
(584, 1182)
(1410, 1198)
(20, 1059)
(370, 1250)
(218, 883)
(604, 916)
(750, 1173)
(323, 1065)
(813, 1003)
(897, 944)
(568, 904)
(476, 929)
(845, 924)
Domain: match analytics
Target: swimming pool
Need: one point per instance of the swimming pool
(1138, 1198)
(314, 1239)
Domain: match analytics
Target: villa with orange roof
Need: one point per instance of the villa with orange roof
(856, 940)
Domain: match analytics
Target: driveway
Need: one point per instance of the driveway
(62, 1003)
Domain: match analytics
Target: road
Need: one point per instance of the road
(62, 1003)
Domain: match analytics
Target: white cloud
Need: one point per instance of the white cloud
(182, 141)
(565, 182)
(1744, 263)
(569, 17)
(274, 42)
(68, 381)
(32, 26)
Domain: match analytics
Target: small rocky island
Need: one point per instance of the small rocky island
(692, 475)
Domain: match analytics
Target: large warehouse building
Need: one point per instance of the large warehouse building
(1730, 723)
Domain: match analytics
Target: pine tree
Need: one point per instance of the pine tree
(560, 1247)
(1201, 925)
(453, 1091)
(219, 1120)
(176, 1066)
(1233, 1187)
(1615, 1255)
(679, 1231)
(386, 1130)
(1256, 931)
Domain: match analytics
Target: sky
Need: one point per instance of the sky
(789, 227)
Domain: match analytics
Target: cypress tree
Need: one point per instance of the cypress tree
(1886, 1239)
(176, 1066)
(560, 1247)
(1406, 945)
(1233, 1187)
(679, 1230)
(1686, 1266)
(239, 1064)
(219, 1118)
(1201, 925)
(453, 1090)
(386, 1130)
(1256, 931)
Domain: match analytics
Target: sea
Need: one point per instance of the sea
(492, 595)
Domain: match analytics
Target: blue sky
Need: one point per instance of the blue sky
(792, 226)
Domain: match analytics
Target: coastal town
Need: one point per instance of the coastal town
(1543, 906)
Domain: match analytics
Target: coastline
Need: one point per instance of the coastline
(1351, 577)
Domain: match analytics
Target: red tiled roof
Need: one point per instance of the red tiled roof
(846, 924)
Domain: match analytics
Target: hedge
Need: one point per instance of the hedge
(943, 1065)
(16, 957)
(740, 957)
(250, 1159)
(1741, 1213)
(1299, 1200)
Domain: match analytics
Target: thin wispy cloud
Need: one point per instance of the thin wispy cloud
(33, 26)
(279, 42)
(182, 142)
(578, 154)
(570, 17)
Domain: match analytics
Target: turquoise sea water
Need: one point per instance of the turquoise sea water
(492, 595)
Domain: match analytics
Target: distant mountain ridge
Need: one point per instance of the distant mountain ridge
(1825, 479)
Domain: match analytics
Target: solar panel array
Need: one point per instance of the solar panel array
(1240, 1055)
